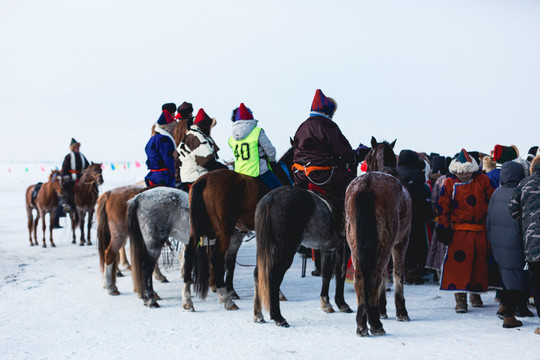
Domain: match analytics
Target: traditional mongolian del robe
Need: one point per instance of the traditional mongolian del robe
(463, 207)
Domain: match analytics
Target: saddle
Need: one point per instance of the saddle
(35, 192)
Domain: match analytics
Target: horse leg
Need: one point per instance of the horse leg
(276, 278)
(73, 225)
(81, 227)
(218, 264)
(230, 263)
(122, 260)
(361, 314)
(36, 221)
(158, 275)
(44, 228)
(30, 223)
(149, 296)
(257, 309)
(188, 257)
(90, 216)
(51, 226)
(327, 267)
(398, 256)
(110, 264)
(382, 298)
(342, 257)
(372, 299)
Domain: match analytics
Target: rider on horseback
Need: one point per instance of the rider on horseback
(160, 149)
(74, 163)
(253, 151)
(197, 153)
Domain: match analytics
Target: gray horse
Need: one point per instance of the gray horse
(154, 216)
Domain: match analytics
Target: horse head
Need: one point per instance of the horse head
(381, 157)
(57, 181)
(95, 172)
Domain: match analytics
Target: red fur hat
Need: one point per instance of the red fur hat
(243, 113)
(201, 117)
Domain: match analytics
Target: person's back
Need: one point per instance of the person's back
(253, 151)
(160, 150)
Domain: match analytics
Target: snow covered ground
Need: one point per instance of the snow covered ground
(53, 306)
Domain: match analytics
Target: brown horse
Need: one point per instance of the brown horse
(46, 201)
(112, 233)
(378, 210)
(85, 195)
(220, 202)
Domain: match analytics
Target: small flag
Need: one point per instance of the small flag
(137, 164)
(26, 169)
(42, 168)
(112, 166)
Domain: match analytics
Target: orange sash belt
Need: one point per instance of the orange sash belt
(309, 169)
(469, 227)
(74, 172)
(164, 169)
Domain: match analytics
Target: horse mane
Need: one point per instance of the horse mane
(287, 158)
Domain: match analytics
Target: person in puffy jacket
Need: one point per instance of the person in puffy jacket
(504, 234)
(253, 151)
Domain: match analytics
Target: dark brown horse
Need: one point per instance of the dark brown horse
(221, 202)
(378, 210)
(112, 233)
(85, 195)
(46, 201)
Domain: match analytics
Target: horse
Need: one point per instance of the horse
(85, 195)
(286, 218)
(378, 210)
(222, 202)
(112, 233)
(153, 217)
(45, 201)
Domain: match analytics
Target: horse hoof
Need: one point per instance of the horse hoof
(345, 309)
(188, 307)
(157, 296)
(282, 323)
(282, 298)
(119, 274)
(403, 318)
(81, 244)
(114, 292)
(44, 245)
(327, 308)
(73, 242)
(53, 245)
(88, 243)
(383, 316)
(377, 332)
(259, 320)
(153, 305)
(362, 332)
(31, 244)
(232, 307)
(164, 280)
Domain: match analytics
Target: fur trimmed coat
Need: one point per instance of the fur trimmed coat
(197, 153)
(463, 208)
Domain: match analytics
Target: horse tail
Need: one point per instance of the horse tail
(200, 226)
(103, 230)
(366, 233)
(137, 246)
(266, 250)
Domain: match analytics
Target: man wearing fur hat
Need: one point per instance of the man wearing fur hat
(73, 165)
(462, 211)
(501, 154)
(160, 149)
(198, 151)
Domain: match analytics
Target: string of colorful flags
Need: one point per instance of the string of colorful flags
(13, 168)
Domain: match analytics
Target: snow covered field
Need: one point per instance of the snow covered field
(53, 306)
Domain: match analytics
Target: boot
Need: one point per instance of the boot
(461, 303)
(511, 322)
(523, 311)
(501, 311)
(476, 300)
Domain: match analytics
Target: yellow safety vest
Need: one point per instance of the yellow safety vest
(246, 153)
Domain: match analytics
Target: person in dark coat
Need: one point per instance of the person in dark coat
(72, 167)
(504, 234)
(410, 168)
(160, 149)
(525, 207)
(323, 158)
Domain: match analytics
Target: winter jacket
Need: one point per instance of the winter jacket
(319, 142)
(73, 165)
(267, 152)
(504, 232)
(495, 176)
(160, 159)
(197, 153)
(525, 207)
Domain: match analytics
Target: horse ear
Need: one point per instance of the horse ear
(291, 141)
(393, 143)
(373, 142)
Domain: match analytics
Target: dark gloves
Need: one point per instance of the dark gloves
(445, 235)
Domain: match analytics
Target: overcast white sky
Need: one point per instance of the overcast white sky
(436, 75)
